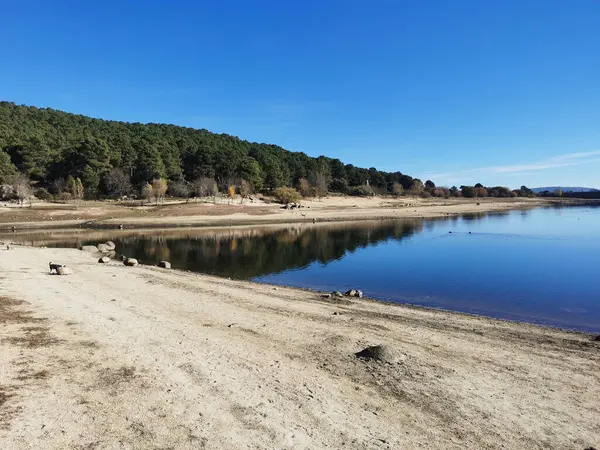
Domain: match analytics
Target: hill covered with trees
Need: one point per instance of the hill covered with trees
(75, 155)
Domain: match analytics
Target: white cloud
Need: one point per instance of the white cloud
(569, 159)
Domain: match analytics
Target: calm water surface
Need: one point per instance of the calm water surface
(540, 266)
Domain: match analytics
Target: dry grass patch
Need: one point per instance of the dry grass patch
(89, 344)
(7, 412)
(11, 313)
(33, 337)
(27, 375)
(111, 377)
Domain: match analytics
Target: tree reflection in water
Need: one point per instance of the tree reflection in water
(252, 253)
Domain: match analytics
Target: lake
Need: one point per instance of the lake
(540, 266)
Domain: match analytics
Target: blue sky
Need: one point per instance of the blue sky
(503, 92)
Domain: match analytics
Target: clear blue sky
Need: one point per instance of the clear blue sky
(503, 92)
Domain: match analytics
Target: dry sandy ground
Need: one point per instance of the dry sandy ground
(114, 357)
(110, 214)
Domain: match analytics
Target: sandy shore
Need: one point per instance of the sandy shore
(146, 358)
(199, 214)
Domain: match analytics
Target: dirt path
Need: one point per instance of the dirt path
(114, 357)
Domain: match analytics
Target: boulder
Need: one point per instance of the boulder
(338, 294)
(164, 264)
(326, 295)
(132, 262)
(104, 248)
(597, 338)
(110, 244)
(104, 260)
(64, 270)
(359, 294)
(89, 249)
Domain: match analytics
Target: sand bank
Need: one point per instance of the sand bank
(147, 358)
(201, 214)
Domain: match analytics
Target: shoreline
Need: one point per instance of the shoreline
(146, 357)
(104, 215)
(320, 293)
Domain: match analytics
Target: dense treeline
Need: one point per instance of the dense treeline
(496, 191)
(583, 195)
(66, 156)
(66, 153)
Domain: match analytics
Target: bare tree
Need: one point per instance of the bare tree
(180, 189)
(117, 183)
(214, 191)
(205, 186)
(22, 188)
(304, 187)
(416, 187)
(245, 189)
(441, 192)
(397, 189)
(319, 184)
(481, 192)
(159, 188)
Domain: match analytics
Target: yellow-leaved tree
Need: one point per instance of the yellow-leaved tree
(231, 192)
(147, 192)
(159, 188)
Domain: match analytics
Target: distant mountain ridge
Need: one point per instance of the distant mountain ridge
(564, 189)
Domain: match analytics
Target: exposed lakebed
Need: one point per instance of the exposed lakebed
(540, 266)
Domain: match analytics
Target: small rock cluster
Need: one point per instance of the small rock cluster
(107, 249)
(293, 206)
(354, 293)
(350, 293)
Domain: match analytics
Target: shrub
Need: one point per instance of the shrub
(286, 195)
(362, 191)
(43, 194)
(179, 189)
(339, 185)
(65, 196)
(6, 192)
